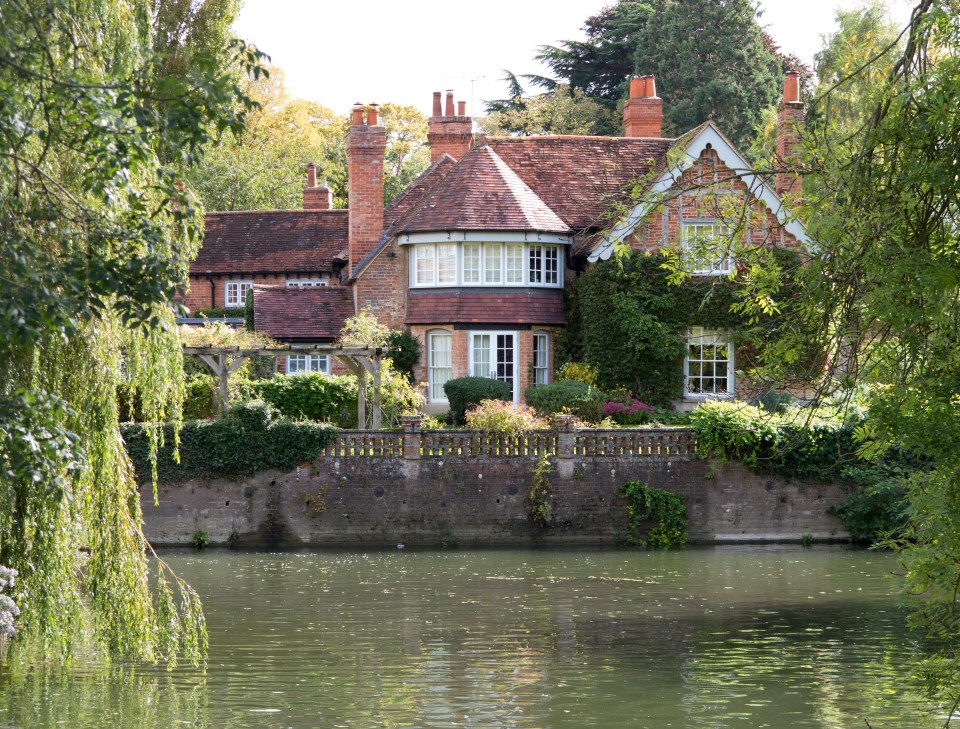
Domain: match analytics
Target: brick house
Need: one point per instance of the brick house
(473, 256)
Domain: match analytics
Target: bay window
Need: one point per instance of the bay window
(486, 264)
(541, 358)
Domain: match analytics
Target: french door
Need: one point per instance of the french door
(494, 355)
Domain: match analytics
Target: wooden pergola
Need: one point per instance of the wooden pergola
(359, 361)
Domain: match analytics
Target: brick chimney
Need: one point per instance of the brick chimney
(316, 198)
(643, 111)
(366, 144)
(790, 117)
(449, 132)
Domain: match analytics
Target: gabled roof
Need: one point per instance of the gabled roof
(301, 314)
(683, 152)
(481, 192)
(265, 241)
(579, 177)
(407, 200)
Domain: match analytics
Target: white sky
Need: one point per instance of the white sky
(336, 52)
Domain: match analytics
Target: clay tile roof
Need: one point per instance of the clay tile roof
(301, 314)
(579, 177)
(478, 307)
(262, 241)
(417, 190)
(481, 192)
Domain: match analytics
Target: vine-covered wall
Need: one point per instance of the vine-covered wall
(625, 318)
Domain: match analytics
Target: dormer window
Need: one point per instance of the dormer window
(706, 248)
(497, 263)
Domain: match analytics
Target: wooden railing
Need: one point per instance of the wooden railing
(563, 442)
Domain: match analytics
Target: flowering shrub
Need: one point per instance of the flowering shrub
(627, 411)
(498, 416)
(8, 608)
(578, 372)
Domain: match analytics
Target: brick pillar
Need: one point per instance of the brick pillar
(316, 198)
(565, 425)
(366, 145)
(790, 116)
(411, 436)
(447, 132)
(643, 111)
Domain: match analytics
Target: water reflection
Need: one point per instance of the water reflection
(727, 637)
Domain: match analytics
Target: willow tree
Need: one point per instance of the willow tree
(97, 233)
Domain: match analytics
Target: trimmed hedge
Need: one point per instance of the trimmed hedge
(465, 392)
(582, 400)
(249, 439)
(311, 396)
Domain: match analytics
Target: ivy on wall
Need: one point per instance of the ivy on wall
(250, 438)
(626, 319)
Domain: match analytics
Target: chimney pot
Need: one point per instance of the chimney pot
(638, 87)
(373, 114)
(791, 88)
(448, 111)
(311, 175)
(437, 104)
(651, 87)
(357, 114)
(643, 111)
(461, 108)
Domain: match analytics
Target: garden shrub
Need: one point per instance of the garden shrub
(200, 401)
(567, 396)
(404, 351)
(248, 439)
(466, 392)
(499, 416)
(310, 396)
(624, 409)
(578, 372)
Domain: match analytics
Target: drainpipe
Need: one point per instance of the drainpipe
(213, 291)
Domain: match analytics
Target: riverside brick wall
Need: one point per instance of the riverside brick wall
(360, 502)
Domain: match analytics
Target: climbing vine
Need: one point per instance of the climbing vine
(541, 511)
(663, 510)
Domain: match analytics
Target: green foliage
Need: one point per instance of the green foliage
(541, 510)
(558, 111)
(500, 416)
(404, 351)
(310, 396)
(875, 510)
(665, 512)
(200, 540)
(248, 439)
(578, 372)
(200, 399)
(98, 121)
(248, 316)
(728, 76)
(217, 312)
(806, 540)
(466, 392)
(567, 396)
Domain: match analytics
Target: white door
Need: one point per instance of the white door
(494, 355)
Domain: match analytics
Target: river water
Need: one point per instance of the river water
(712, 637)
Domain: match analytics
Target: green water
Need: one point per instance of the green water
(723, 637)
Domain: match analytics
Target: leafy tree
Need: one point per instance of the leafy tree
(97, 233)
(881, 292)
(265, 166)
(709, 57)
(558, 111)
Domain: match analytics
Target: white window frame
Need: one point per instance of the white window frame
(311, 363)
(541, 370)
(718, 231)
(235, 293)
(435, 391)
(510, 264)
(471, 355)
(698, 336)
(306, 283)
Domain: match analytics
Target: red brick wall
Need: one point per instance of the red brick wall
(383, 287)
(790, 118)
(198, 295)
(451, 135)
(712, 190)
